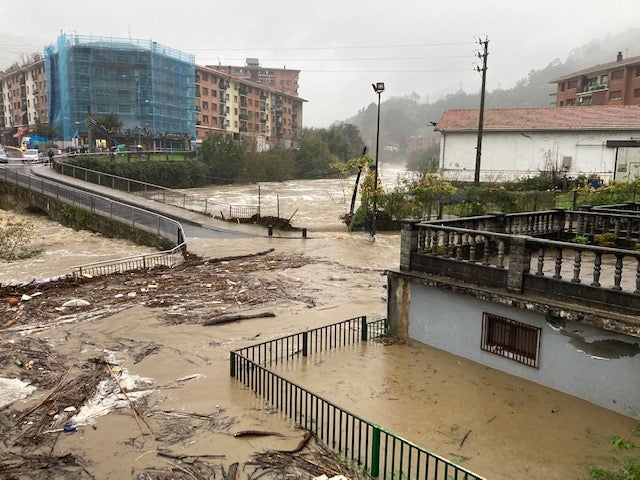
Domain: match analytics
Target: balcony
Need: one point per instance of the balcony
(592, 88)
(530, 257)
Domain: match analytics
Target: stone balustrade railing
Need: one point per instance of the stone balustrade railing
(530, 254)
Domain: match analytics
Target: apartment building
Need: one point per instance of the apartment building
(255, 113)
(23, 99)
(614, 83)
(131, 78)
(281, 79)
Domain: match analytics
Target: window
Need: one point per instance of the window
(637, 72)
(616, 95)
(617, 74)
(572, 84)
(511, 339)
(636, 92)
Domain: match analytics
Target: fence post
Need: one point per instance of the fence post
(305, 348)
(375, 452)
(364, 329)
(232, 364)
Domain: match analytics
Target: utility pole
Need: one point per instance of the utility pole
(483, 56)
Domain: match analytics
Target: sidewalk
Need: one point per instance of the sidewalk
(182, 215)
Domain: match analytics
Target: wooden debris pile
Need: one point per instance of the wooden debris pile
(193, 292)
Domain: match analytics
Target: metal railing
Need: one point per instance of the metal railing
(158, 193)
(167, 258)
(378, 451)
(134, 217)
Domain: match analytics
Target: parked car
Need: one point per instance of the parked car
(32, 155)
(3, 156)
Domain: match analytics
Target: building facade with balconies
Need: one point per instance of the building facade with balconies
(614, 83)
(131, 78)
(281, 79)
(24, 100)
(258, 115)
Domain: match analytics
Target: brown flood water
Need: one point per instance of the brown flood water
(512, 429)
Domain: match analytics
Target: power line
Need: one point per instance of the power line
(356, 47)
(372, 59)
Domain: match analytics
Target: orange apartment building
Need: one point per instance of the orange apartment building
(280, 79)
(614, 83)
(251, 108)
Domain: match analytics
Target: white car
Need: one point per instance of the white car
(32, 155)
(3, 156)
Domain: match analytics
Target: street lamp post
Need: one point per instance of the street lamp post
(377, 88)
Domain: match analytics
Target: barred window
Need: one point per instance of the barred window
(511, 339)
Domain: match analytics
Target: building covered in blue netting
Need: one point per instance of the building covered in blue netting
(150, 87)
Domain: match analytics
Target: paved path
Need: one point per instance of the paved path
(195, 224)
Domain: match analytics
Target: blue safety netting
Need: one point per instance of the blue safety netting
(145, 84)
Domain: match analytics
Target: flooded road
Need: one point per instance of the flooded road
(514, 429)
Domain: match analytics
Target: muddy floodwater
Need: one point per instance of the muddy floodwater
(496, 425)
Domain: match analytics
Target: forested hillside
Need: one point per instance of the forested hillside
(407, 116)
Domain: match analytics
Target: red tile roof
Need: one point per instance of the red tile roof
(607, 117)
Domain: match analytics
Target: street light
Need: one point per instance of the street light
(377, 88)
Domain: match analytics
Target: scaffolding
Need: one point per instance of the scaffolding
(147, 85)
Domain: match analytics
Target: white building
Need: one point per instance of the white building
(600, 141)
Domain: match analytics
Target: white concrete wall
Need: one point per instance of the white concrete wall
(572, 359)
(511, 155)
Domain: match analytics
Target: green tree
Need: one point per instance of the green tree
(223, 156)
(313, 159)
(429, 190)
(45, 130)
(344, 140)
(345, 168)
(423, 160)
(273, 165)
(106, 127)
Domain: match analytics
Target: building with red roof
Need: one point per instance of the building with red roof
(594, 141)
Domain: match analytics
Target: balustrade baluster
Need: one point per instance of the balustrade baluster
(486, 247)
(422, 235)
(500, 254)
(540, 270)
(570, 216)
(558, 266)
(617, 276)
(472, 249)
(459, 246)
(446, 243)
(637, 290)
(576, 267)
(597, 269)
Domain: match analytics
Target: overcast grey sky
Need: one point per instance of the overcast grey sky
(341, 47)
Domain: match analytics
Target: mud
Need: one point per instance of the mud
(183, 409)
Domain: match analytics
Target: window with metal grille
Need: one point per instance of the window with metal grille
(511, 339)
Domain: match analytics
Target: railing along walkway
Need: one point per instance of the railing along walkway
(138, 218)
(376, 450)
(158, 193)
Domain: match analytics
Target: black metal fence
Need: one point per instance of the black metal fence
(379, 452)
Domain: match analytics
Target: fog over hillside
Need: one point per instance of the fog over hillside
(411, 115)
